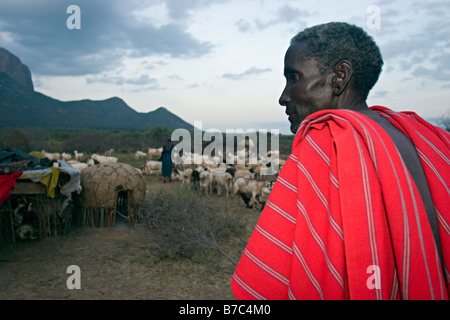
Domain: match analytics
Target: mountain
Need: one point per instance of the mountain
(21, 106)
(11, 65)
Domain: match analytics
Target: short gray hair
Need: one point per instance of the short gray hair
(333, 42)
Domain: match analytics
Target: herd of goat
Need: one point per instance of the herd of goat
(252, 182)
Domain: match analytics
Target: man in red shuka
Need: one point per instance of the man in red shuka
(360, 210)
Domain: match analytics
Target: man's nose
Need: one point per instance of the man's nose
(284, 98)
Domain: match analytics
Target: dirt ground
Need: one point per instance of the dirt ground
(115, 263)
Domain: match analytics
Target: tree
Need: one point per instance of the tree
(444, 121)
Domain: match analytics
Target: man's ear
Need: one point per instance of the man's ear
(343, 73)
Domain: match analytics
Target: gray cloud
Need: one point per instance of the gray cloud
(285, 14)
(379, 94)
(440, 70)
(193, 86)
(243, 25)
(108, 33)
(250, 72)
(119, 80)
(180, 9)
(415, 38)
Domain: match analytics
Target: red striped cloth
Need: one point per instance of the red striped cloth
(345, 220)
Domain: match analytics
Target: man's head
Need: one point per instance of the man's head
(323, 62)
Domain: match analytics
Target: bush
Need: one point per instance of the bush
(184, 224)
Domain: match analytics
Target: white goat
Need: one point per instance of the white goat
(78, 155)
(104, 159)
(222, 180)
(249, 188)
(51, 156)
(205, 182)
(154, 153)
(140, 154)
(153, 167)
(80, 166)
(66, 156)
(243, 173)
(186, 177)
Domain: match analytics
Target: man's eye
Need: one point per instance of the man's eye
(295, 77)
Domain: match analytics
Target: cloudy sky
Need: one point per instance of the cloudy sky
(219, 61)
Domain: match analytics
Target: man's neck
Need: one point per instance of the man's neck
(353, 103)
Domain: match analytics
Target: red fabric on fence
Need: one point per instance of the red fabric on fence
(345, 220)
(7, 182)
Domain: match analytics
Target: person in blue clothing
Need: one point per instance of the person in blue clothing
(166, 158)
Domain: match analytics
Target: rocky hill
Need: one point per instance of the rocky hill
(12, 66)
(21, 106)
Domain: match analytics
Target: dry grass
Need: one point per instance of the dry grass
(125, 263)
